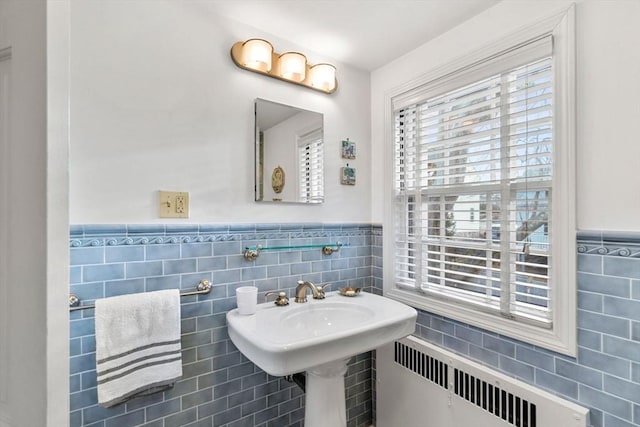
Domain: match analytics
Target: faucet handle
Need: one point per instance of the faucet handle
(281, 299)
(320, 289)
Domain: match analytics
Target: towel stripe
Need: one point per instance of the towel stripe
(137, 368)
(134, 350)
(132, 362)
(141, 391)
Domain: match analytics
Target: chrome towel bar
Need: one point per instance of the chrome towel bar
(203, 288)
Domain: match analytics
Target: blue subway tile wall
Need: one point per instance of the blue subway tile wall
(376, 273)
(605, 376)
(220, 387)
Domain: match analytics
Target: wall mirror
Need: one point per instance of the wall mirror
(289, 153)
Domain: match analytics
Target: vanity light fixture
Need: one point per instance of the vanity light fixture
(257, 55)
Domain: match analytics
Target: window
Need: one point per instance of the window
(481, 184)
(310, 185)
(486, 147)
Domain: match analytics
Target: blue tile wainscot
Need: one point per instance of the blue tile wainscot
(605, 377)
(220, 387)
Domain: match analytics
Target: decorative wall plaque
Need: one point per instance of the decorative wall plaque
(348, 176)
(348, 149)
(277, 179)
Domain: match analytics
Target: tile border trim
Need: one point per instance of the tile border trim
(616, 244)
(96, 235)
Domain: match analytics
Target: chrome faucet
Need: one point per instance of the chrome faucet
(301, 291)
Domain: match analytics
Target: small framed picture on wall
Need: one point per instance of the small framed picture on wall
(347, 176)
(348, 149)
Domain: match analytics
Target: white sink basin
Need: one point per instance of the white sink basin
(316, 320)
(297, 337)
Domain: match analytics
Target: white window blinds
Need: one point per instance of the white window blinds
(310, 166)
(473, 180)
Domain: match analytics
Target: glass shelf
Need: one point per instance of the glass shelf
(253, 252)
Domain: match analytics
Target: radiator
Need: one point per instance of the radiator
(419, 384)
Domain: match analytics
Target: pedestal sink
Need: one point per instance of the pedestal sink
(319, 337)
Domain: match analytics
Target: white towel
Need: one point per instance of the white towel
(138, 348)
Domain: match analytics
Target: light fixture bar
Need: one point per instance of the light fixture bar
(289, 67)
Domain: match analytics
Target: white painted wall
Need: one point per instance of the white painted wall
(157, 103)
(608, 66)
(57, 213)
(35, 270)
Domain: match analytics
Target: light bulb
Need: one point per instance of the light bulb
(323, 76)
(256, 54)
(293, 66)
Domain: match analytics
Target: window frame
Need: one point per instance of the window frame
(562, 336)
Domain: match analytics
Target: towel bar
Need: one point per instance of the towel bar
(203, 288)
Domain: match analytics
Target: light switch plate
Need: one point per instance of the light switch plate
(174, 204)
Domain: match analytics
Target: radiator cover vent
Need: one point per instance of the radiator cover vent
(422, 364)
(511, 408)
(419, 384)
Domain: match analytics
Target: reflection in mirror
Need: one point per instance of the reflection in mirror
(289, 153)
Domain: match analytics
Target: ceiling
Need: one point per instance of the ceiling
(363, 33)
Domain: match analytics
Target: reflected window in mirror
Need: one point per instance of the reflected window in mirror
(289, 141)
(310, 167)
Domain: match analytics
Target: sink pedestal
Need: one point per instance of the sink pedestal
(325, 399)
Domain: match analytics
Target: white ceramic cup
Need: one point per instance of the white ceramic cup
(247, 298)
